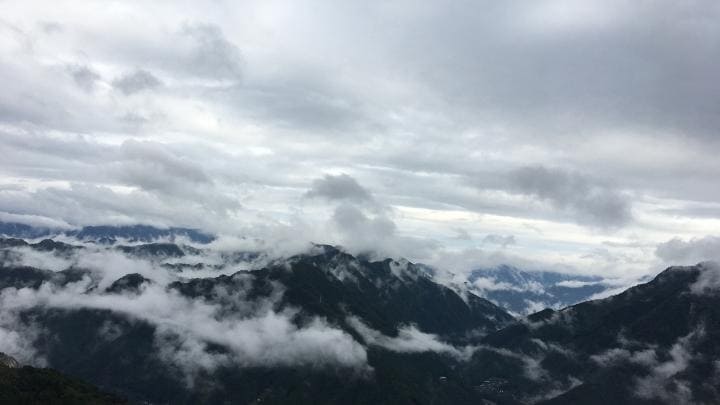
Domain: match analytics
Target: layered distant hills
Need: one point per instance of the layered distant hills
(170, 323)
(105, 233)
(525, 292)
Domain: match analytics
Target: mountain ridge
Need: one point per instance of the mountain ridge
(325, 326)
(105, 233)
(388, 308)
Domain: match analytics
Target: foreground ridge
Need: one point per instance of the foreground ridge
(174, 323)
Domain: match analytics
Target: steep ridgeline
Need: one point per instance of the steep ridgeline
(320, 327)
(384, 294)
(656, 343)
(525, 292)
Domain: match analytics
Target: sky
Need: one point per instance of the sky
(555, 134)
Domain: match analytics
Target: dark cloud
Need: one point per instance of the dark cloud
(84, 77)
(565, 66)
(340, 187)
(356, 224)
(376, 233)
(137, 81)
(462, 234)
(212, 55)
(695, 210)
(359, 229)
(86, 204)
(585, 200)
(295, 106)
(157, 158)
(682, 252)
(50, 27)
(134, 120)
(501, 240)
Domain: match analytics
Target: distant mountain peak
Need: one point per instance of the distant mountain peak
(128, 283)
(524, 292)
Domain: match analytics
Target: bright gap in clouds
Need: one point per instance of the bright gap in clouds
(578, 136)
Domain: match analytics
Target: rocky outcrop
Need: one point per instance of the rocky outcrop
(8, 361)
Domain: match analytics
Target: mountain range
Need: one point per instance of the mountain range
(105, 233)
(171, 323)
(524, 292)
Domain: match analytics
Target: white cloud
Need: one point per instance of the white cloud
(575, 283)
(17, 340)
(262, 338)
(663, 381)
(491, 284)
(409, 340)
(708, 280)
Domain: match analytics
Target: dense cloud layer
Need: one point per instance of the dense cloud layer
(572, 126)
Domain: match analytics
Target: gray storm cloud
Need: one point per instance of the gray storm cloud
(137, 81)
(679, 251)
(362, 223)
(585, 200)
(501, 240)
(84, 77)
(340, 187)
(212, 54)
(155, 160)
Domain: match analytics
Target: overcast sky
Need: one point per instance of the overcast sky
(551, 134)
